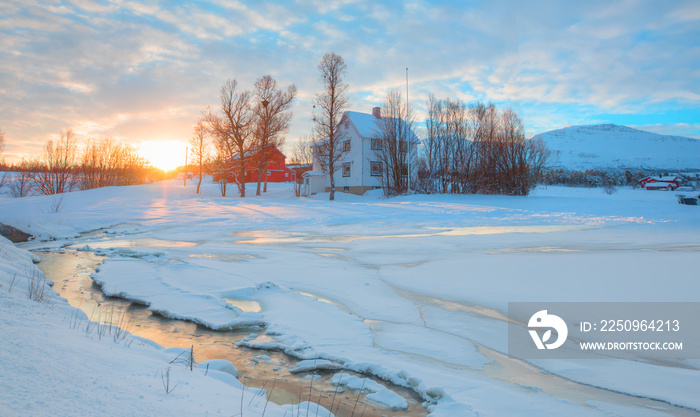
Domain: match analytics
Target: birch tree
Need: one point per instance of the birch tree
(394, 132)
(329, 107)
(199, 149)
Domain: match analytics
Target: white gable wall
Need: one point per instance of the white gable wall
(359, 157)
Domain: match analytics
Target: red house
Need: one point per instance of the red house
(277, 170)
(668, 183)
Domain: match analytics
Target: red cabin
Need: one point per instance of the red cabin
(277, 170)
(668, 183)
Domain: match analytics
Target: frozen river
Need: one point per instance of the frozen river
(412, 291)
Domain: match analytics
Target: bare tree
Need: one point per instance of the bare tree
(106, 162)
(2, 144)
(451, 152)
(22, 185)
(199, 149)
(302, 151)
(54, 174)
(513, 164)
(93, 167)
(3, 180)
(232, 131)
(539, 158)
(479, 149)
(428, 170)
(302, 154)
(220, 164)
(395, 135)
(273, 117)
(330, 105)
(130, 165)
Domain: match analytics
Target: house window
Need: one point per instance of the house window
(346, 169)
(375, 168)
(286, 174)
(346, 189)
(346, 146)
(269, 173)
(403, 146)
(376, 144)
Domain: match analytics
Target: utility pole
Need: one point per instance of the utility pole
(408, 136)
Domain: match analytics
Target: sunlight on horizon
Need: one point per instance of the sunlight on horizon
(163, 154)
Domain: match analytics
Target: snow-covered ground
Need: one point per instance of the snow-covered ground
(613, 147)
(411, 290)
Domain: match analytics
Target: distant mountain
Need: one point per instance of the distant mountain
(611, 146)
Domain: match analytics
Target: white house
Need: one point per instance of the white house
(360, 169)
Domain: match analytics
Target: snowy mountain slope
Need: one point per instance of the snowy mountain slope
(610, 146)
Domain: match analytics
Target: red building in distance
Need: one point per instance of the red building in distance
(669, 182)
(277, 170)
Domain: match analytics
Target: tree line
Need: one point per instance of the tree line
(608, 179)
(474, 148)
(64, 165)
(248, 122)
(478, 148)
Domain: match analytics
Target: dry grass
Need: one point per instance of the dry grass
(165, 379)
(14, 281)
(37, 286)
(115, 324)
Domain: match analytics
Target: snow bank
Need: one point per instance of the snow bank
(51, 367)
(405, 289)
(149, 282)
(379, 393)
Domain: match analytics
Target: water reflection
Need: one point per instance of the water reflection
(245, 305)
(145, 242)
(278, 237)
(70, 272)
(225, 257)
(588, 248)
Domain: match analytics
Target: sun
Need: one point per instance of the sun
(164, 154)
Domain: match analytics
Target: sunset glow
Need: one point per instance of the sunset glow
(580, 63)
(165, 154)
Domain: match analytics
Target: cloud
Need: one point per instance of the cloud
(141, 70)
(676, 129)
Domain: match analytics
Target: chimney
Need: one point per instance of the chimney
(377, 112)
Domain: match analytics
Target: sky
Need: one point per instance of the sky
(143, 72)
